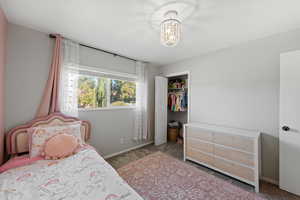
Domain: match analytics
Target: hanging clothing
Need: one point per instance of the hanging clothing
(184, 102)
(177, 101)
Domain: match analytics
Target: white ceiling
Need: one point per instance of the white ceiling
(124, 26)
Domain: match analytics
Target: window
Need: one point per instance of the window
(122, 93)
(100, 92)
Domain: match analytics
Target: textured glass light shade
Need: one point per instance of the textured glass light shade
(170, 30)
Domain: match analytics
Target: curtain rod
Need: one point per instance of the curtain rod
(114, 54)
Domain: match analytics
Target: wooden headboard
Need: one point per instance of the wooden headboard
(17, 138)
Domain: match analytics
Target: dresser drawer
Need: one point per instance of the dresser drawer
(243, 143)
(223, 165)
(239, 142)
(199, 156)
(244, 172)
(199, 134)
(237, 156)
(223, 139)
(234, 169)
(202, 146)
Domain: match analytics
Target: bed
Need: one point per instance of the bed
(84, 175)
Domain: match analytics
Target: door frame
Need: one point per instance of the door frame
(188, 87)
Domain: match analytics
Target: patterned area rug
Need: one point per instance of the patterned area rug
(161, 177)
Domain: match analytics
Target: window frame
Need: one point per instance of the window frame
(96, 73)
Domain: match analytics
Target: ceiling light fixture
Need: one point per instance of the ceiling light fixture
(170, 29)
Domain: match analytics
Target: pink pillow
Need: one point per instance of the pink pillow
(60, 146)
(39, 135)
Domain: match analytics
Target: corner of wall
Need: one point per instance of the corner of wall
(3, 46)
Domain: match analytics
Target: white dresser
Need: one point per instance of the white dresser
(231, 151)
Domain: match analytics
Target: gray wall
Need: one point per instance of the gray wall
(29, 59)
(3, 53)
(239, 87)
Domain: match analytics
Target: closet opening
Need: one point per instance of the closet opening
(178, 106)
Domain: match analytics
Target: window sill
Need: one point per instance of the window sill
(107, 109)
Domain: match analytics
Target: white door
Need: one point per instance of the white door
(161, 110)
(289, 134)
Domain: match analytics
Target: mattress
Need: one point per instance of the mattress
(85, 175)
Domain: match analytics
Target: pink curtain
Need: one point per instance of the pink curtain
(49, 102)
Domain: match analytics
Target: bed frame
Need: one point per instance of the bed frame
(17, 138)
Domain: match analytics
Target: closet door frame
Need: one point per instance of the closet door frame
(189, 103)
(188, 88)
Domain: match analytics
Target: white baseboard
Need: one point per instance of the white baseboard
(269, 180)
(126, 150)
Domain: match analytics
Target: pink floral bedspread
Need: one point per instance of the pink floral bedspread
(85, 175)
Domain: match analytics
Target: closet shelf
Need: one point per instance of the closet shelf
(177, 88)
(180, 111)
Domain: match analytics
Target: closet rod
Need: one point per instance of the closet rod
(114, 54)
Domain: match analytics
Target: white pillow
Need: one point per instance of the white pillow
(39, 135)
